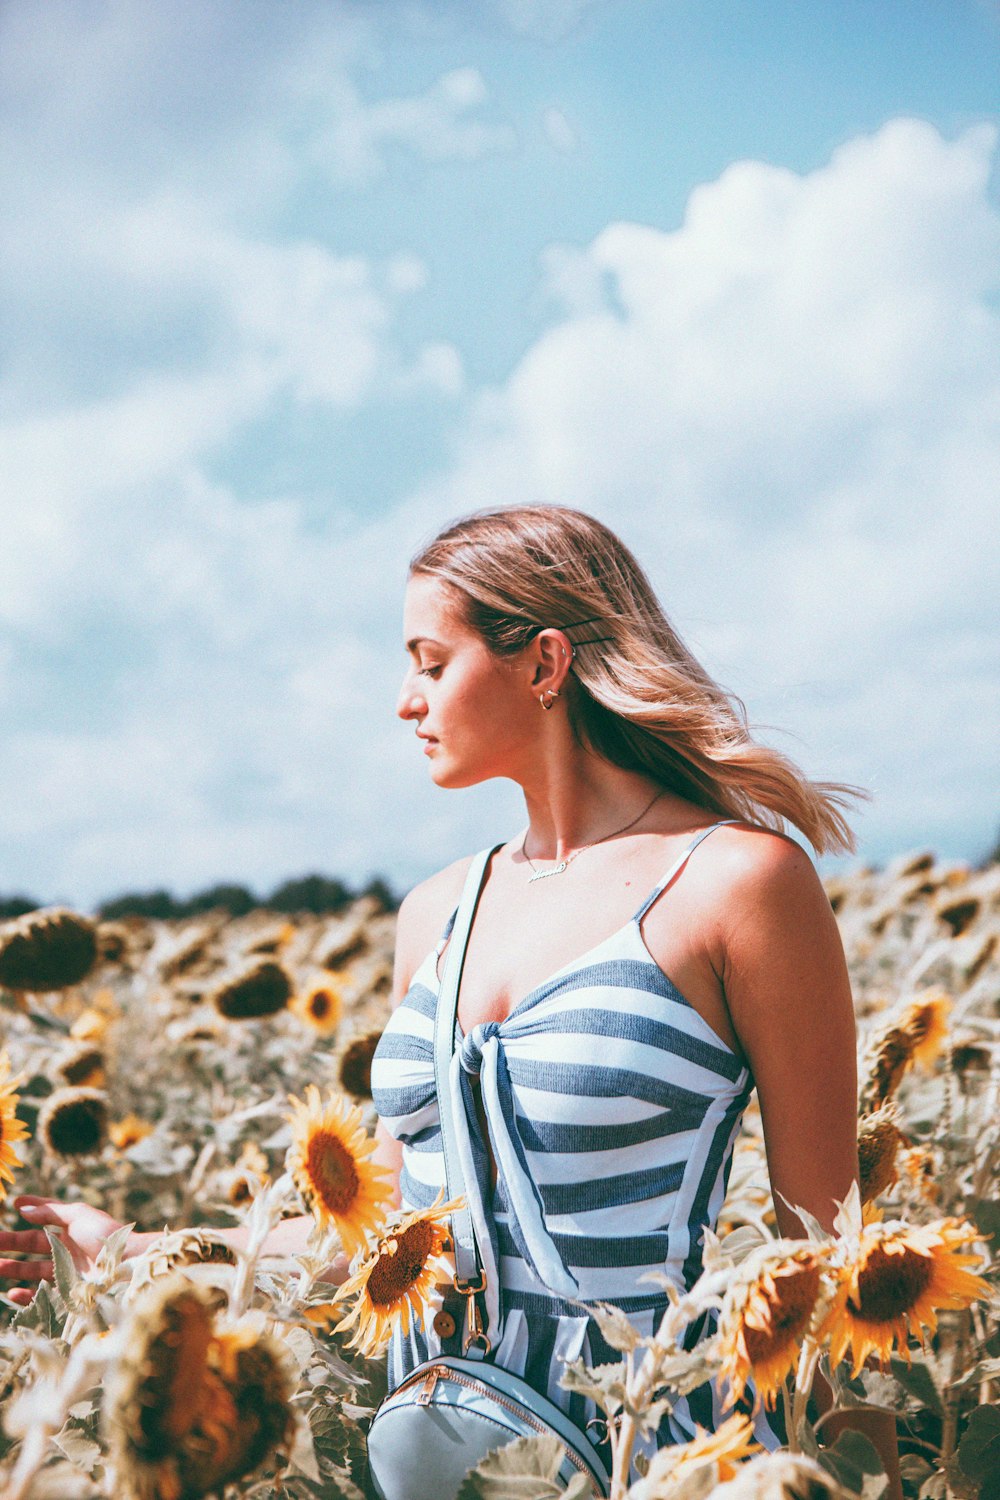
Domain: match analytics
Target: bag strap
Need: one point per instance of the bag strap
(468, 1266)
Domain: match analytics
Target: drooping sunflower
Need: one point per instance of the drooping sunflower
(879, 1139)
(916, 1036)
(356, 1064)
(128, 1131)
(73, 1121)
(330, 1162)
(262, 989)
(320, 1006)
(12, 1129)
(47, 950)
(895, 1281)
(398, 1278)
(768, 1310)
(251, 1172)
(781, 1476)
(726, 1448)
(193, 1406)
(82, 1064)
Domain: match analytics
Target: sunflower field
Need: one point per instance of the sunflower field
(208, 1080)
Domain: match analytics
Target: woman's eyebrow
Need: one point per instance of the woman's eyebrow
(419, 640)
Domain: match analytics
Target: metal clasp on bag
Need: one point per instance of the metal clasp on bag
(473, 1319)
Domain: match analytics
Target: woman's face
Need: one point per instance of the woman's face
(472, 711)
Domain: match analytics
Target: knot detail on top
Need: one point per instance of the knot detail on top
(473, 1044)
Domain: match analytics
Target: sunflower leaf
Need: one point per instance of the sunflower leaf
(918, 1380)
(62, 1266)
(616, 1330)
(979, 1450)
(854, 1462)
(525, 1469)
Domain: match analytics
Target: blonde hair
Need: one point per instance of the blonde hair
(635, 695)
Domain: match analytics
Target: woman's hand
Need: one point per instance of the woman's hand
(83, 1231)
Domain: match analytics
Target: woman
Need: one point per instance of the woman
(539, 653)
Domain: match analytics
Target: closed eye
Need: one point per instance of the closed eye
(428, 671)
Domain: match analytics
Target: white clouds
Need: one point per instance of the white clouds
(788, 406)
(441, 124)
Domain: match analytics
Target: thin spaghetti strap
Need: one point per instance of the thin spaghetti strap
(678, 864)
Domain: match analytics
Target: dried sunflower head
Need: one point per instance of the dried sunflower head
(356, 1064)
(193, 1405)
(769, 1308)
(782, 1476)
(73, 1122)
(723, 1450)
(916, 1036)
(82, 1064)
(47, 950)
(879, 1139)
(262, 989)
(129, 1131)
(175, 1249)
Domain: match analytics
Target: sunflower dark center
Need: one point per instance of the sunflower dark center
(891, 1284)
(77, 1129)
(320, 1005)
(356, 1065)
(392, 1276)
(791, 1308)
(332, 1172)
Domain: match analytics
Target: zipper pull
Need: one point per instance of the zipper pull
(427, 1388)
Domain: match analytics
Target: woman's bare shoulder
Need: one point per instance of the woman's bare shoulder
(423, 913)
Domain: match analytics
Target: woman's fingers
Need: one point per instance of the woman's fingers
(45, 1210)
(22, 1295)
(27, 1241)
(25, 1270)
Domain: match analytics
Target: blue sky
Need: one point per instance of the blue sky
(288, 286)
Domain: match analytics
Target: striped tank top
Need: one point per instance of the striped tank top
(612, 1108)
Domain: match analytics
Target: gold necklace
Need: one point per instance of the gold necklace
(564, 864)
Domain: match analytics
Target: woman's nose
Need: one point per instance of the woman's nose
(411, 704)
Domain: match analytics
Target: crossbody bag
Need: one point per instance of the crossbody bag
(454, 1409)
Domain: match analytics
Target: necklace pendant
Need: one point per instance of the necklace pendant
(544, 874)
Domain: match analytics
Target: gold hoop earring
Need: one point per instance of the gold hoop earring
(549, 693)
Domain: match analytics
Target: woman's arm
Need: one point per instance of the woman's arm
(786, 984)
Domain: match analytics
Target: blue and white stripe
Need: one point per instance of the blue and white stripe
(612, 1109)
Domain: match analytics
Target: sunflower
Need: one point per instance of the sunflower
(128, 1131)
(781, 1476)
(251, 1172)
(73, 1122)
(47, 950)
(12, 1129)
(320, 1005)
(90, 1026)
(879, 1139)
(330, 1162)
(83, 1064)
(768, 1310)
(193, 1407)
(898, 1277)
(262, 989)
(917, 1036)
(726, 1448)
(399, 1277)
(356, 1064)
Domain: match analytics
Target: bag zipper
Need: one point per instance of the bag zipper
(429, 1379)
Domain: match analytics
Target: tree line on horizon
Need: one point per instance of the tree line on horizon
(320, 895)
